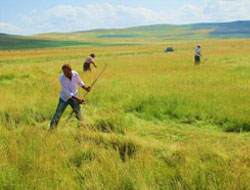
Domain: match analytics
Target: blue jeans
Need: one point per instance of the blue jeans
(62, 105)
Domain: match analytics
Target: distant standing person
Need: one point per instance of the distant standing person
(68, 94)
(90, 60)
(198, 55)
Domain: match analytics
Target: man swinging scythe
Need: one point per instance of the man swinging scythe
(68, 94)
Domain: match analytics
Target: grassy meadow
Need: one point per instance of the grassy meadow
(153, 121)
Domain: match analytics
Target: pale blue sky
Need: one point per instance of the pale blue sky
(28, 17)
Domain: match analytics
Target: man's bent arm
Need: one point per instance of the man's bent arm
(94, 64)
(80, 101)
(86, 88)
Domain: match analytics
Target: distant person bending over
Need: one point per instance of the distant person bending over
(88, 61)
(198, 55)
(68, 94)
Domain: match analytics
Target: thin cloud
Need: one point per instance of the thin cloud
(67, 18)
(9, 28)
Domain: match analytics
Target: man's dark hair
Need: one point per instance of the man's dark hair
(66, 66)
(92, 55)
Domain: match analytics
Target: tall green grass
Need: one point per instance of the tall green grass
(153, 120)
(153, 86)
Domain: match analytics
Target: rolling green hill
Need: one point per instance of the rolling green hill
(238, 29)
(226, 30)
(11, 42)
(19, 42)
(121, 37)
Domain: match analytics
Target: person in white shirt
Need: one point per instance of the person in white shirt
(68, 94)
(197, 57)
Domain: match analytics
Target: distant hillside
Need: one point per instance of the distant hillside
(127, 36)
(223, 30)
(11, 42)
(229, 30)
(238, 29)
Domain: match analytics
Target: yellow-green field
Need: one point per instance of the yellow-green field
(153, 121)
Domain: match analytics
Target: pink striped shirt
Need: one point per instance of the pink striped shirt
(90, 60)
